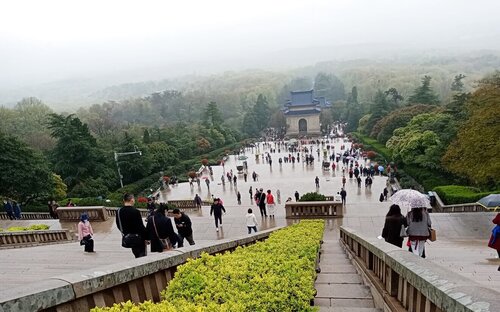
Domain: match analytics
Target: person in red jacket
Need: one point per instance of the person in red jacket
(494, 241)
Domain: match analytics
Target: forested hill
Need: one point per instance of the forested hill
(369, 75)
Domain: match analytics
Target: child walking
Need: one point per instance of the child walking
(85, 233)
(251, 221)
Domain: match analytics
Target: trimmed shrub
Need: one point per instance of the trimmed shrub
(34, 227)
(456, 194)
(275, 275)
(312, 196)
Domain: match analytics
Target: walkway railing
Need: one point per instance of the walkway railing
(404, 281)
(22, 238)
(470, 207)
(314, 209)
(137, 280)
(28, 216)
(95, 213)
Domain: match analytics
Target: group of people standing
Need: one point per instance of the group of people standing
(158, 231)
(12, 209)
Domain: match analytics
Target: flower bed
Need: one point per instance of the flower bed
(34, 227)
(275, 275)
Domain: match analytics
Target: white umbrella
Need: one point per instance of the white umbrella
(410, 199)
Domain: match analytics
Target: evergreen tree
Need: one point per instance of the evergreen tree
(261, 112)
(394, 96)
(459, 98)
(354, 110)
(424, 94)
(25, 173)
(378, 110)
(329, 86)
(213, 116)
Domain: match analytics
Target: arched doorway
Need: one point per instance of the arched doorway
(302, 125)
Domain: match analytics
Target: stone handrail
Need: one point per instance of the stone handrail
(21, 238)
(95, 213)
(182, 204)
(469, 207)
(314, 209)
(137, 280)
(112, 212)
(28, 216)
(405, 282)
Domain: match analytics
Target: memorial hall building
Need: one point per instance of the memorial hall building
(302, 112)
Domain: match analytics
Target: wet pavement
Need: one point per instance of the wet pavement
(461, 244)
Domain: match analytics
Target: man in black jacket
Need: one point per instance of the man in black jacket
(217, 210)
(262, 203)
(183, 224)
(132, 224)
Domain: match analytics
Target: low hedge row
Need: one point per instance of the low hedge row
(312, 196)
(275, 275)
(456, 194)
(34, 227)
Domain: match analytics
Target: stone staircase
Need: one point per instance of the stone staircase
(339, 287)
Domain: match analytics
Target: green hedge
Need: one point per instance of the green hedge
(312, 196)
(456, 194)
(275, 275)
(370, 143)
(34, 227)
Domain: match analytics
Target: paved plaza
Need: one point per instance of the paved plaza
(461, 244)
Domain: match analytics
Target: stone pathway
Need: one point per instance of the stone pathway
(339, 287)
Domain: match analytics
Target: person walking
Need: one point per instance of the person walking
(245, 176)
(161, 232)
(343, 181)
(262, 203)
(7, 206)
(419, 224)
(316, 180)
(184, 227)
(197, 201)
(343, 195)
(85, 233)
(385, 192)
(216, 209)
(238, 197)
(235, 179)
(207, 182)
(297, 196)
(129, 222)
(250, 191)
(494, 241)
(392, 226)
(251, 221)
(270, 204)
(16, 207)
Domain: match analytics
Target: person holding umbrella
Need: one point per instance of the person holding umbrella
(418, 219)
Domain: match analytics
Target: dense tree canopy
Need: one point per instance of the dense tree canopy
(475, 151)
(25, 173)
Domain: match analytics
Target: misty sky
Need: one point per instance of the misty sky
(46, 40)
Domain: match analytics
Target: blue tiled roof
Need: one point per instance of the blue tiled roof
(303, 112)
(323, 102)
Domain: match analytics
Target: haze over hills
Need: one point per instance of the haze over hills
(70, 94)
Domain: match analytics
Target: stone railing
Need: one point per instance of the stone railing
(470, 207)
(23, 238)
(95, 213)
(186, 204)
(112, 212)
(28, 216)
(314, 209)
(137, 280)
(401, 281)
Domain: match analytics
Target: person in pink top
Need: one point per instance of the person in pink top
(85, 233)
(271, 205)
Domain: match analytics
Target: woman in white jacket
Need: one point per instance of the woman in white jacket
(251, 221)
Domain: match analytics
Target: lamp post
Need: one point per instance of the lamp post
(136, 151)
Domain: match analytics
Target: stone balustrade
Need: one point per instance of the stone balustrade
(112, 212)
(314, 209)
(137, 280)
(23, 238)
(95, 213)
(28, 216)
(401, 281)
(469, 207)
(187, 204)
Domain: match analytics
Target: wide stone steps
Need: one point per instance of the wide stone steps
(338, 285)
